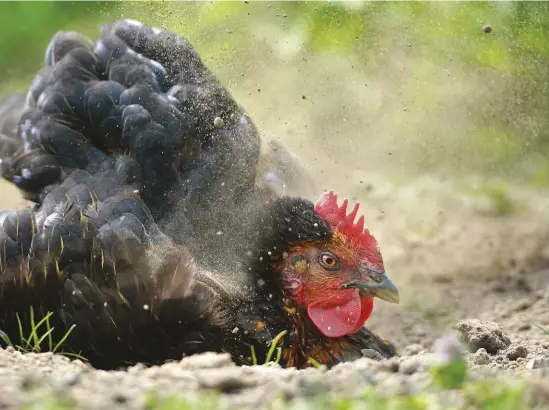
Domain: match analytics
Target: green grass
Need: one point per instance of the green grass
(39, 332)
(272, 348)
(541, 327)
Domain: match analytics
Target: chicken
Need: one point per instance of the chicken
(144, 92)
(150, 240)
(93, 257)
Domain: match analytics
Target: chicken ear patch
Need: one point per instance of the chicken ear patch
(337, 320)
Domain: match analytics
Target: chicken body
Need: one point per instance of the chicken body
(149, 239)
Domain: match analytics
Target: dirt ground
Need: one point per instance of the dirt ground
(465, 263)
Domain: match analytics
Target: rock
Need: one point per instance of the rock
(391, 365)
(228, 380)
(393, 386)
(409, 365)
(371, 354)
(516, 351)
(411, 350)
(482, 334)
(207, 361)
(481, 357)
(539, 362)
(69, 380)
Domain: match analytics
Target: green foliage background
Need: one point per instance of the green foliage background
(507, 130)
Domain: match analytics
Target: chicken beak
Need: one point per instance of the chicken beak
(385, 289)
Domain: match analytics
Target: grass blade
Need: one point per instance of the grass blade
(543, 328)
(273, 345)
(5, 338)
(43, 337)
(278, 354)
(25, 344)
(49, 330)
(63, 339)
(254, 357)
(313, 363)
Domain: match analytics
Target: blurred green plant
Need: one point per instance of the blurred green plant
(501, 204)
(450, 375)
(27, 28)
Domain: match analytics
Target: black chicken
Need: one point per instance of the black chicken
(150, 239)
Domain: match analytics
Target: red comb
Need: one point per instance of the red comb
(338, 218)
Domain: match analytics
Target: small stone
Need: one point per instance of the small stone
(371, 354)
(218, 122)
(482, 334)
(391, 365)
(226, 380)
(539, 362)
(69, 380)
(516, 351)
(207, 361)
(393, 386)
(412, 350)
(481, 357)
(409, 365)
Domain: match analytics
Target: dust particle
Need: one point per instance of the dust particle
(218, 122)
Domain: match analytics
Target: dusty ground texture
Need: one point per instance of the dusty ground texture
(461, 265)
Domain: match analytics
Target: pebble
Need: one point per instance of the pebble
(481, 357)
(371, 354)
(413, 349)
(540, 362)
(482, 334)
(516, 351)
(409, 365)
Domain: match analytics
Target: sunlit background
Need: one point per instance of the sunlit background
(434, 115)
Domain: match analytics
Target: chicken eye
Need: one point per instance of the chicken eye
(328, 261)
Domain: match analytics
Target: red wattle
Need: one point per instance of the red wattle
(343, 317)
